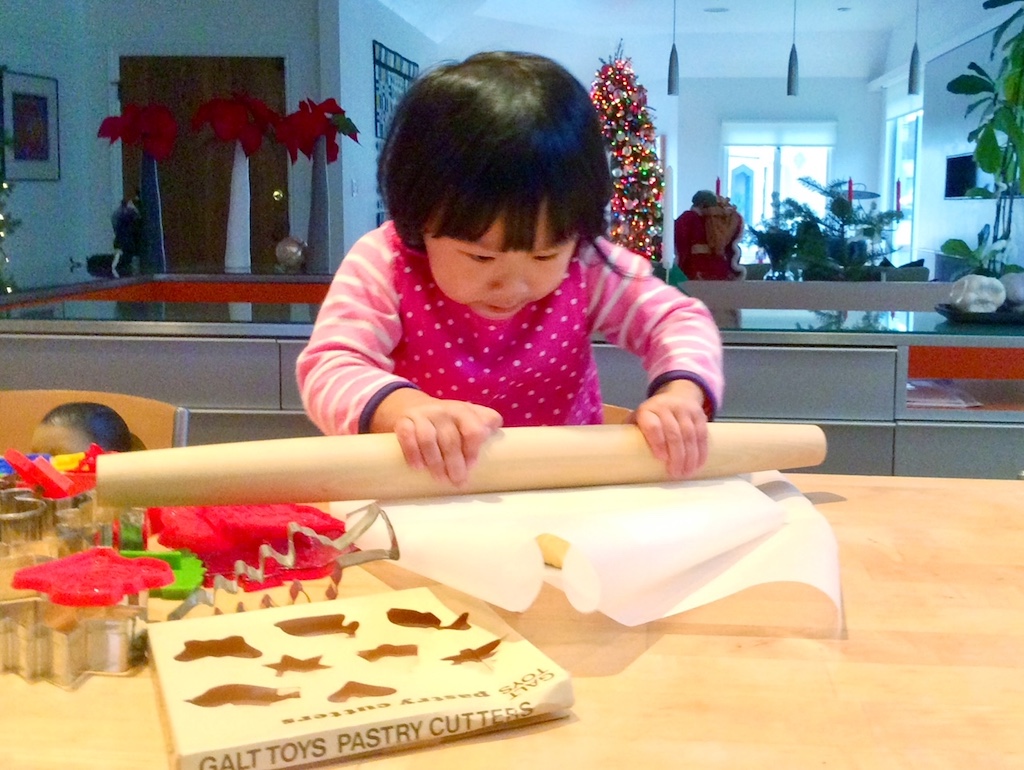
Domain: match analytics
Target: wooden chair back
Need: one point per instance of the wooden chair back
(616, 415)
(154, 424)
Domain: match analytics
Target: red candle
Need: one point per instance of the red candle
(849, 190)
(899, 195)
(718, 185)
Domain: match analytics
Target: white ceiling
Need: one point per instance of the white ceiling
(853, 39)
(440, 18)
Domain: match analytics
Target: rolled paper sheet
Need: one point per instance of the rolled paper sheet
(372, 467)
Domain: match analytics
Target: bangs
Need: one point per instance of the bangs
(502, 136)
(516, 186)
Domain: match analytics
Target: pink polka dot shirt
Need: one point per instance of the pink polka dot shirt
(385, 325)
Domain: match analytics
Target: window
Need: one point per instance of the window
(763, 159)
(904, 135)
(754, 173)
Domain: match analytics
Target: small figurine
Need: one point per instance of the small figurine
(127, 223)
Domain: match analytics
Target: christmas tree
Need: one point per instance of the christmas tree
(7, 226)
(636, 212)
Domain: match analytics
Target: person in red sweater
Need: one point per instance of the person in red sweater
(706, 238)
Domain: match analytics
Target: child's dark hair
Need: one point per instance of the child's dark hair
(498, 135)
(103, 425)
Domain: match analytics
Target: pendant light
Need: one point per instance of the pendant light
(793, 75)
(914, 80)
(673, 59)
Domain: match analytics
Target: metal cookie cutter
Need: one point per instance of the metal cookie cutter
(23, 520)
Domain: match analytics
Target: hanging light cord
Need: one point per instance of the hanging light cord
(673, 22)
(917, 19)
(794, 22)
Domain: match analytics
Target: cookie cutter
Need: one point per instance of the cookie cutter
(24, 519)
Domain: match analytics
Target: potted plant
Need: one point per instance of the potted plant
(848, 243)
(998, 142)
(983, 259)
(154, 128)
(313, 130)
(776, 240)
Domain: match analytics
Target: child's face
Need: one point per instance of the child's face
(58, 440)
(494, 283)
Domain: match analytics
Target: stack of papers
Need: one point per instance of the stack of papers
(938, 394)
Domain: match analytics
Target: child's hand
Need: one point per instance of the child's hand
(444, 437)
(675, 426)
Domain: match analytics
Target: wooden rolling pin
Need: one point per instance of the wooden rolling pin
(372, 467)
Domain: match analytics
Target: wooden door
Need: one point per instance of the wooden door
(195, 180)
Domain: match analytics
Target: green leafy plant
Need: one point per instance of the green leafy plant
(849, 242)
(8, 224)
(998, 136)
(983, 259)
(776, 236)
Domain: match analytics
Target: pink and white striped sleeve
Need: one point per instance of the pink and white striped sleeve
(673, 334)
(346, 369)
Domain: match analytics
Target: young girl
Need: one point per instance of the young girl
(475, 306)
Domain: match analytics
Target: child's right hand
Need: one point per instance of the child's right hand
(444, 437)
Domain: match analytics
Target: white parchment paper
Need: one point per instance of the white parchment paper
(636, 553)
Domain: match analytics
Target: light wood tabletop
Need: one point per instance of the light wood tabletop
(925, 669)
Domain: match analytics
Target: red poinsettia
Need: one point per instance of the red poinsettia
(299, 130)
(152, 126)
(242, 118)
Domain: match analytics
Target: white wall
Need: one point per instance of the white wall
(857, 91)
(362, 22)
(705, 104)
(944, 133)
(944, 25)
(55, 225)
(328, 48)
(952, 34)
(79, 42)
(692, 121)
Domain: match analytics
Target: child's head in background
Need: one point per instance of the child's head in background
(72, 427)
(501, 136)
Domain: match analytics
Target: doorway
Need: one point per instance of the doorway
(195, 181)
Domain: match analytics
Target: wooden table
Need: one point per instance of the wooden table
(927, 671)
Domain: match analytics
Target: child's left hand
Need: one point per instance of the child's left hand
(675, 426)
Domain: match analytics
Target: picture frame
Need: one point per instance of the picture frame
(30, 126)
(392, 76)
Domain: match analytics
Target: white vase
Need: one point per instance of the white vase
(237, 252)
(318, 236)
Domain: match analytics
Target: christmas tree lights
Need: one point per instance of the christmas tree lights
(8, 224)
(637, 174)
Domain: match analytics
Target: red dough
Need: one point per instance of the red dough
(99, 577)
(220, 535)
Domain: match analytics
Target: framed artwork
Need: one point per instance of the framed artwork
(392, 74)
(29, 120)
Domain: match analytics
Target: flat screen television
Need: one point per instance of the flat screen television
(961, 175)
